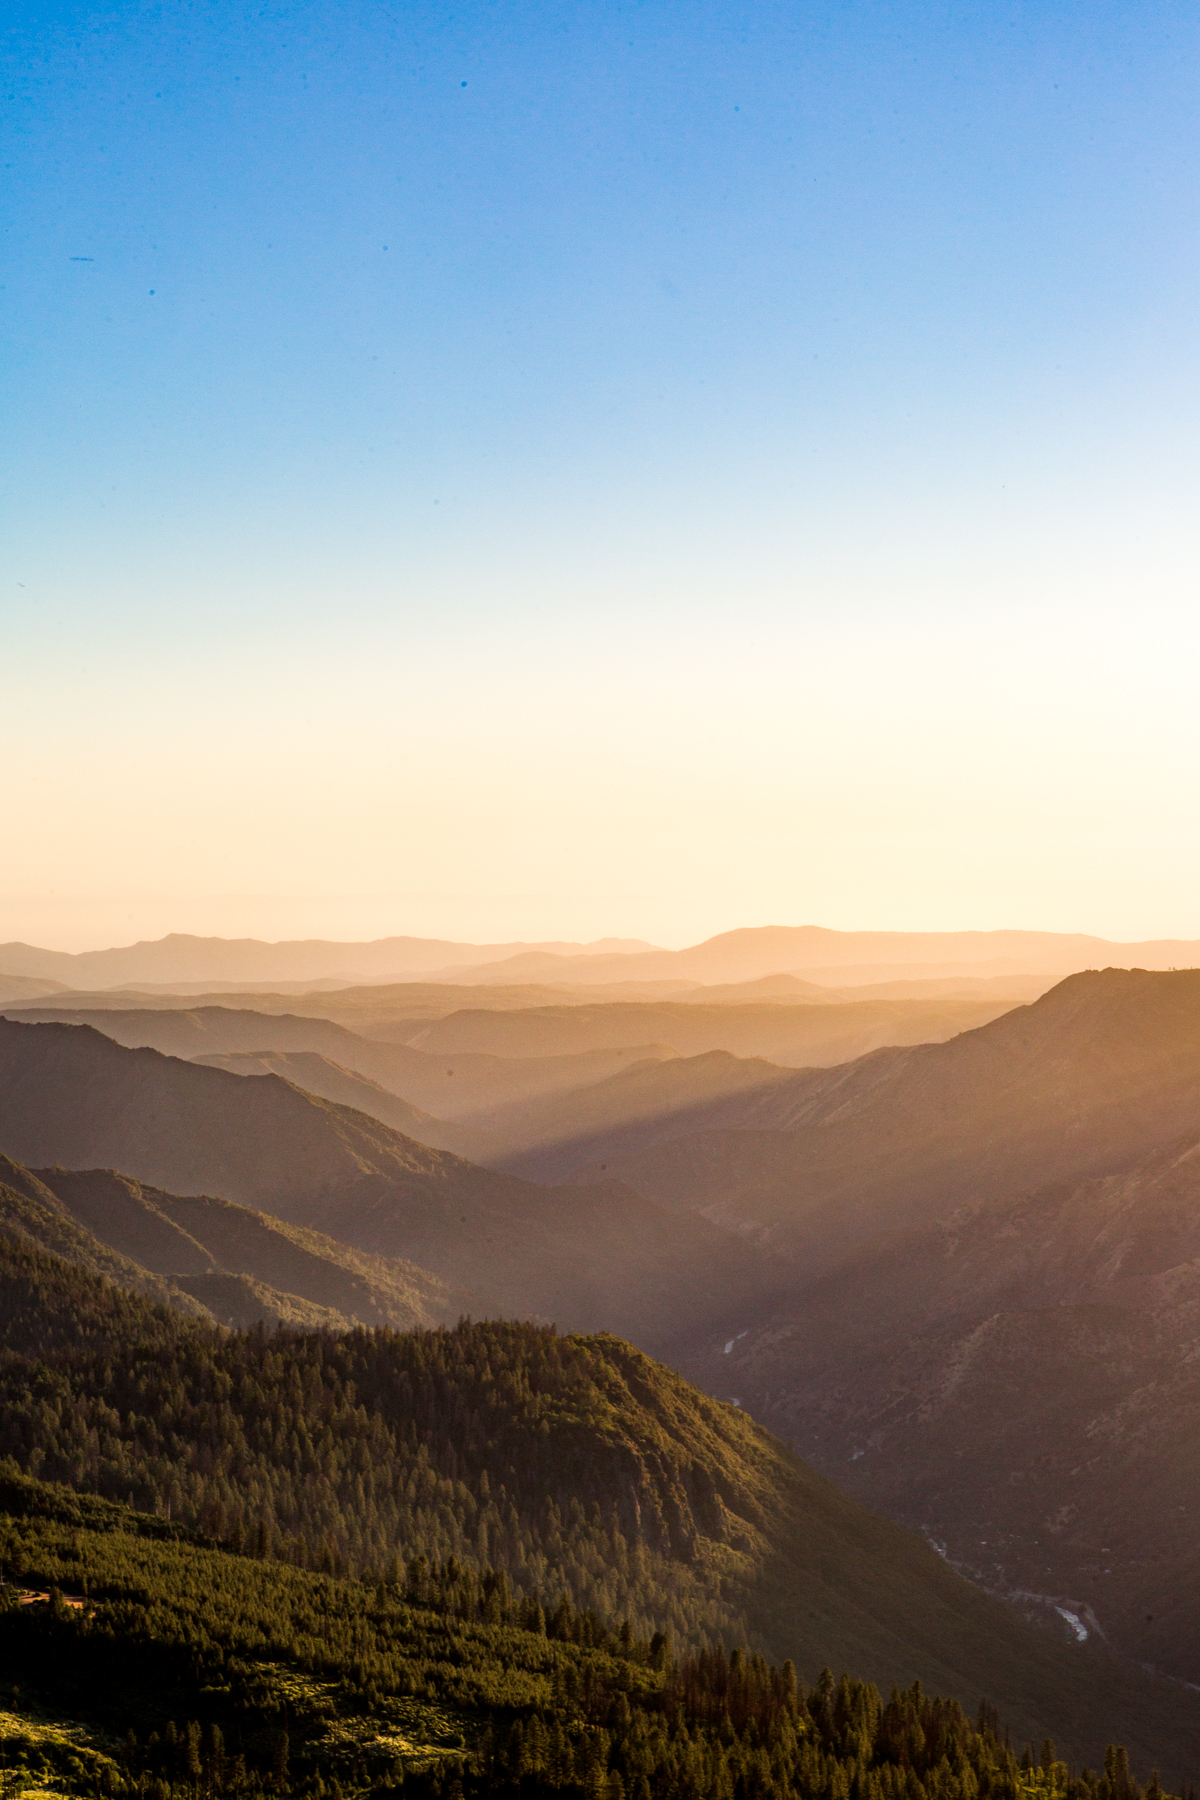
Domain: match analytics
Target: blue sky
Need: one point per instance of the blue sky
(770, 431)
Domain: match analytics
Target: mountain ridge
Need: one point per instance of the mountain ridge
(1103, 1067)
(194, 958)
(744, 954)
(169, 1246)
(589, 1256)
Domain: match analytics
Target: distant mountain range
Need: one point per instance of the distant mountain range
(180, 957)
(832, 958)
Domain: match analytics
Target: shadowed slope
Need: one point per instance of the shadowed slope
(586, 1256)
(1055, 1335)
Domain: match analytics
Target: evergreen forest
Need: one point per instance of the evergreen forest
(491, 1559)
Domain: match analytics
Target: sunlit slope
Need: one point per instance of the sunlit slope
(34, 1218)
(569, 1137)
(589, 1257)
(1101, 1070)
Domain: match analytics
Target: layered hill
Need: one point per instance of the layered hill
(320, 1075)
(847, 957)
(183, 957)
(20, 988)
(578, 1465)
(798, 1035)
(442, 1088)
(733, 956)
(588, 1257)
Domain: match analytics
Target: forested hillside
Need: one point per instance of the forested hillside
(582, 1468)
(155, 1664)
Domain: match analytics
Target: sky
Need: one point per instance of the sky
(519, 471)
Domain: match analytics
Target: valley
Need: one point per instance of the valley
(942, 1243)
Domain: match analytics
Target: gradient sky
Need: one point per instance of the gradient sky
(499, 470)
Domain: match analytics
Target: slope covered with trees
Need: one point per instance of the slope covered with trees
(582, 1468)
(176, 1668)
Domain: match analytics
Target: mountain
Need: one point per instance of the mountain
(444, 1088)
(589, 1257)
(1055, 1334)
(180, 957)
(378, 1008)
(802, 1035)
(211, 1249)
(733, 956)
(578, 1465)
(1103, 1069)
(846, 958)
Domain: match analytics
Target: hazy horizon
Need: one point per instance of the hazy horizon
(610, 942)
(510, 474)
